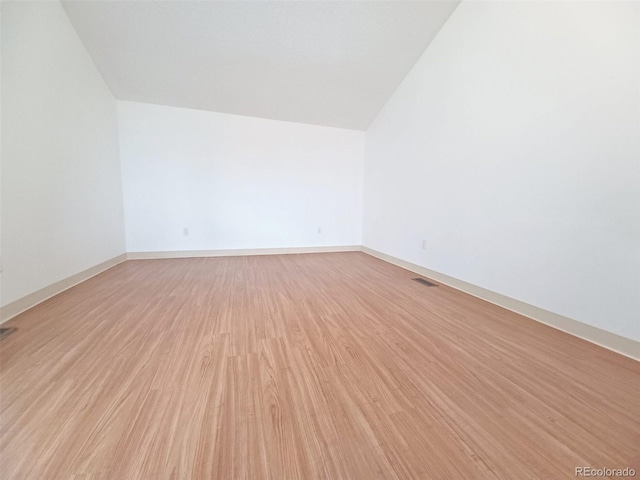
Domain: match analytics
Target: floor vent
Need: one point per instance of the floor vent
(5, 332)
(425, 282)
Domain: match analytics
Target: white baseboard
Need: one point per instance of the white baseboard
(29, 301)
(611, 341)
(603, 338)
(240, 252)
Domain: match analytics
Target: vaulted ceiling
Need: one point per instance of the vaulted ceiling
(319, 62)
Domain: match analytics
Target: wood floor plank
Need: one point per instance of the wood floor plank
(319, 366)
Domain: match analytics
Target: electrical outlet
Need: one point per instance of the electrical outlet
(424, 244)
(185, 232)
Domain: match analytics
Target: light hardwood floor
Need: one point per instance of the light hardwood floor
(333, 366)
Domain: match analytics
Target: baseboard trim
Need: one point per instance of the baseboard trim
(611, 341)
(23, 304)
(240, 252)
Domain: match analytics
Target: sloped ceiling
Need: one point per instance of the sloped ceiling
(317, 62)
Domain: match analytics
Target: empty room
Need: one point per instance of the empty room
(330, 240)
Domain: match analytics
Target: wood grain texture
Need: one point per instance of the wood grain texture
(319, 366)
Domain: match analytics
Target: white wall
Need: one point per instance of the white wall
(236, 182)
(61, 190)
(512, 147)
